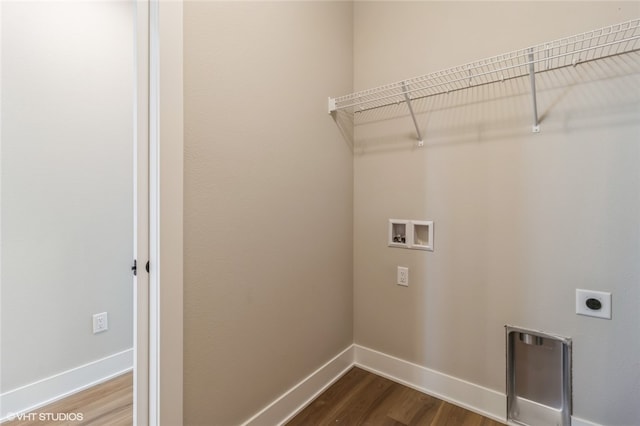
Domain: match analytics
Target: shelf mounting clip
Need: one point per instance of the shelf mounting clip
(332, 105)
(405, 91)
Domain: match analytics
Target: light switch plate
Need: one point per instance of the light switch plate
(603, 300)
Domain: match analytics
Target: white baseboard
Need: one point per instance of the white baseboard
(481, 400)
(298, 397)
(575, 421)
(470, 396)
(38, 394)
(486, 402)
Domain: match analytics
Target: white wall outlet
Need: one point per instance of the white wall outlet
(100, 323)
(403, 276)
(593, 303)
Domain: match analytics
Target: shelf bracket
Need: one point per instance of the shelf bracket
(332, 105)
(405, 90)
(532, 78)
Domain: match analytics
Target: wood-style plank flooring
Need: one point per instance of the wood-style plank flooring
(109, 403)
(358, 398)
(362, 398)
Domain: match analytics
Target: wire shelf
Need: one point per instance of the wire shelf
(569, 51)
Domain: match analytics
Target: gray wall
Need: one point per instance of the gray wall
(521, 219)
(67, 126)
(268, 201)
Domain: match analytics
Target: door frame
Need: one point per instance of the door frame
(159, 334)
(141, 216)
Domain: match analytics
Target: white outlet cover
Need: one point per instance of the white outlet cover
(100, 323)
(603, 297)
(403, 276)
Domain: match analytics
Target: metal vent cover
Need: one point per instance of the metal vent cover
(538, 378)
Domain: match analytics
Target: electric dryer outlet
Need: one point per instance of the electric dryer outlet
(593, 303)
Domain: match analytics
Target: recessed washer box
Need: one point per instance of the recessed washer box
(422, 235)
(398, 233)
(411, 234)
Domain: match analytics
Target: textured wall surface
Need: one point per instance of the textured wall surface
(268, 201)
(521, 219)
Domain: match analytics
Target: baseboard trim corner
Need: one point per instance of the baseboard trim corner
(298, 397)
(43, 392)
(484, 401)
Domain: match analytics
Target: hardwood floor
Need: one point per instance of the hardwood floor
(109, 403)
(358, 398)
(362, 398)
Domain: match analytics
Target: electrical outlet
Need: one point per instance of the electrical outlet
(100, 323)
(403, 276)
(593, 303)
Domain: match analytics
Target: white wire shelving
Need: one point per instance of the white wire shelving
(593, 45)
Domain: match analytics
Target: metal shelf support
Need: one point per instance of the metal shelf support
(405, 89)
(532, 78)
